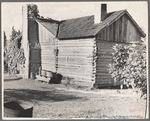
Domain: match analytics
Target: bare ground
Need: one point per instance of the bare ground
(58, 101)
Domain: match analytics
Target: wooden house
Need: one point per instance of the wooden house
(78, 48)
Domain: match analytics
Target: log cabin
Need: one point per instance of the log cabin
(80, 48)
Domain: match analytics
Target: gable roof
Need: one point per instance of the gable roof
(84, 26)
(50, 24)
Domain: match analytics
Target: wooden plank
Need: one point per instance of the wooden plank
(126, 28)
(122, 31)
(105, 34)
(112, 35)
(108, 33)
(117, 32)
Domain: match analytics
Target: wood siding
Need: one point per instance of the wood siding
(122, 30)
(75, 58)
(48, 44)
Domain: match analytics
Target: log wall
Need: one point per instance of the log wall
(48, 43)
(76, 58)
(104, 58)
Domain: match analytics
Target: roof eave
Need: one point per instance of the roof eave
(134, 22)
(71, 38)
(125, 11)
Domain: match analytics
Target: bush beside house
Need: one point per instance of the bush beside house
(129, 65)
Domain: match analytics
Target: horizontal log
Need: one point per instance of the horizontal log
(76, 45)
(104, 56)
(99, 59)
(49, 68)
(88, 40)
(103, 74)
(47, 51)
(102, 67)
(105, 44)
(79, 61)
(82, 51)
(48, 58)
(74, 75)
(76, 70)
(76, 65)
(106, 64)
(35, 61)
(48, 63)
(76, 56)
(104, 50)
(84, 55)
(75, 48)
(103, 80)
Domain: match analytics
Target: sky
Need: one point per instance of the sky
(12, 12)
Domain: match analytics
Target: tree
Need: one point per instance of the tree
(5, 39)
(14, 33)
(5, 54)
(33, 11)
(13, 54)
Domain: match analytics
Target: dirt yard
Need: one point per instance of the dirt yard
(58, 101)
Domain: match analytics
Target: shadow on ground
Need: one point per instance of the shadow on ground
(13, 79)
(32, 95)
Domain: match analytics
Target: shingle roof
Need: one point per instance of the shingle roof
(51, 25)
(77, 27)
(84, 26)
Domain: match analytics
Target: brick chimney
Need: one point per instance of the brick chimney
(100, 12)
(103, 11)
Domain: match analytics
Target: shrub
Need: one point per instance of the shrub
(129, 65)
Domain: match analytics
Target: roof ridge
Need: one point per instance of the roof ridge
(77, 18)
